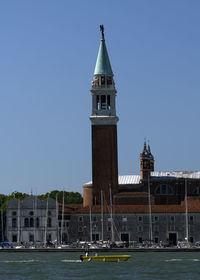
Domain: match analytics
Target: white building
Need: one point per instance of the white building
(31, 220)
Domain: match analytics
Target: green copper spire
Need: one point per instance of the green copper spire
(103, 63)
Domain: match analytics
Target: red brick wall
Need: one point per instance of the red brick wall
(177, 186)
(131, 200)
(104, 161)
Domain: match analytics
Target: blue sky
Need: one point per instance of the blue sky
(48, 50)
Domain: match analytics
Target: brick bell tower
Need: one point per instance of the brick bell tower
(104, 129)
(146, 162)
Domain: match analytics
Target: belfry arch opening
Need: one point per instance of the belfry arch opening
(103, 102)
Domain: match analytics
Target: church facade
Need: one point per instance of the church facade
(153, 205)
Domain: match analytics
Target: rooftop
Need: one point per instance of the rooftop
(135, 179)
(177, 174)
(193, 207)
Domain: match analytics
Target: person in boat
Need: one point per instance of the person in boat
(86, 254)
(87, 251)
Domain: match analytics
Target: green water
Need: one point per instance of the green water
(141, 266)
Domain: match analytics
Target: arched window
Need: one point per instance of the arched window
(14, 213)
(26, 222)
(31, 222)
(14, 222)
(37, 222)
(31, 213)
(109, 81)
(49, 222)
(14, 238)
(108, 102)
(31, 238)
(163, 190)
(103, 102)
(49, 237)
(103, 80)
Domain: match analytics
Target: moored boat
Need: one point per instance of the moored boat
(105, 258)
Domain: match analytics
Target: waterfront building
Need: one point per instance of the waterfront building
(31, 220)
(131, 223)
(155, 205)
(65, 222)
(34, 221)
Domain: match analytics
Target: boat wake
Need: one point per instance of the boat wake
(71, 261)
(21, 261)
(179, 260)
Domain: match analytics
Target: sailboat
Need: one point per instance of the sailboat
(18, 246)
(105, 258)
(185, 243)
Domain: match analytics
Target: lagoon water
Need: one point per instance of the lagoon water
(62, 265)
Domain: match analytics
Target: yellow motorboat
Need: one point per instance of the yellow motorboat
(105, 258)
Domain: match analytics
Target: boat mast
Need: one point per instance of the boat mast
(34, 208)
(90, 224)
(45, 232)
(57, 218)
(35, 219)
(166, 214)
(111, 216)
(18, 223)
(102, 215)
(62, 221)
(95, 211)
(186, 213)
(150, 218)
(2, 235)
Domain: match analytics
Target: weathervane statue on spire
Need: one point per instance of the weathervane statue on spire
(102, 31)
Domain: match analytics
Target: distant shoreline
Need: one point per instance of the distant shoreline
(122, 250)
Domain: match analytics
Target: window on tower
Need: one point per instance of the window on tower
(103, 80)
(103, 102)
(108, 102)
(109, 81)
(98, 103)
